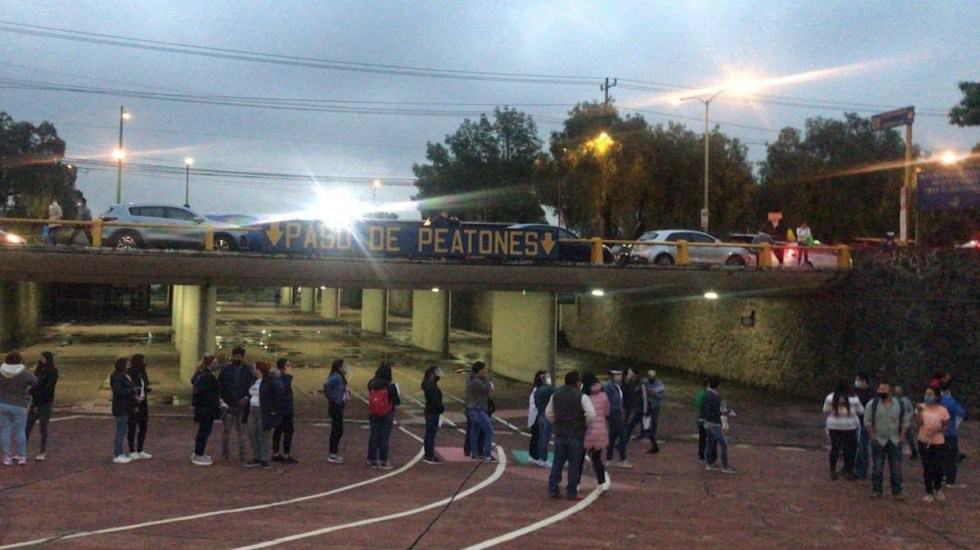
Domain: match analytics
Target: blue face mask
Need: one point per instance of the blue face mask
(929, 399)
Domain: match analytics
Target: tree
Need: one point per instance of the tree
(967, 113)
(484, 172)
(31, 171)
(841, 177)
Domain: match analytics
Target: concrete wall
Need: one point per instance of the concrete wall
(400, 303)
(524, 329)
(20, 313)
(473, 311)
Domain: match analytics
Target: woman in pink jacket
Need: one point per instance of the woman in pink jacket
(597, 434)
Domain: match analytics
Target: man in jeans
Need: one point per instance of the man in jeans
(618, 438)
(478, 391)
(886, 419)
(235, 379)
(569, 412)
(712, 409)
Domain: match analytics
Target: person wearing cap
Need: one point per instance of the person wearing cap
(617, 420)
(433, 411)
(653, 399)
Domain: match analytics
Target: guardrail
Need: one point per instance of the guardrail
(96, 226)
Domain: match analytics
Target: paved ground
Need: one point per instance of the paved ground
(781, 496)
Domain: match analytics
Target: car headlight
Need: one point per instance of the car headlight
(14, 239)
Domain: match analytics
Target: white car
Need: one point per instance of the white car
(653, 247)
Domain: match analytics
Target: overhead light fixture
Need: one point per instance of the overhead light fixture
(598, 292)
(711, 295)
(435, 289)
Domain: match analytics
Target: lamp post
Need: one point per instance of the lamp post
(187, 181)
(707, 105)
(120, 153)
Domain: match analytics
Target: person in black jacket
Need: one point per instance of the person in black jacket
(141, 413)
(263, 414)
(123, 401)
(713, 408)
(383, 398)
(42, 399)
(206, 400)
(433, 411)
(235, 379)
(283, 433)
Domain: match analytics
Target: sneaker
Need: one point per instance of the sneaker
(928, 498)
(624, 464)
(605, 486)
(543, 464)
(373, 463)
(940, 496)
(289, 460)
(727, 470)
(253, 463)
(710, 467)
(134, 456)
(201, 460)
(385, 466)
(122, 459)
(491, 460)
(335, 459)
(20, 460)
(474, 457)
(433, 460)
(7, 461)
(144, 455)
(40, 457)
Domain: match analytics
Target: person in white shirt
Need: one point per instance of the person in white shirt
(55, 214)
(842, 409)
(804, 238)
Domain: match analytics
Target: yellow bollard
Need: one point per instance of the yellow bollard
(683, 256)
(209, 239)
(765, 255)
(596, 256)
(96, 229)
(843, 257)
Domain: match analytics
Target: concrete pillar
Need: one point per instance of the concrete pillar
(307, 299)
(176, 303)
(330, 303)
(286, 296)
(196, 326)
(431, 320)
(20, 310)
(524, 336)
(374, 311)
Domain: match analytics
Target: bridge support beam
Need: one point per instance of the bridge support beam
(307, 299)
(431, 320)
(195, 325)
(524, 335)
(176, 304)
(286, 296)
(20, 308)
(330, 303)
(374, 311)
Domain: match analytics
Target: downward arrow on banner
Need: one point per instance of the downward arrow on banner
(548, 243)
(274, 233)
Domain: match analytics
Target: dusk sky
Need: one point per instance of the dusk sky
(874, 56)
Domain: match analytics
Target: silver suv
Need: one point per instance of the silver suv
(185, 228)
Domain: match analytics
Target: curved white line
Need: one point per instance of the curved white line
(499, 471)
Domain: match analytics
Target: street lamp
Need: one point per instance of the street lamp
(949, 158)
(707, 104)
(120, 153)
(375, 187)
(187, 181)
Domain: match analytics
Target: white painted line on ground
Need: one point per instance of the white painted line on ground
(497, 473)
(792, 449)
(444, 417)
(179, 519)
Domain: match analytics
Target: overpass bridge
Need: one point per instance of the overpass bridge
(525, 316)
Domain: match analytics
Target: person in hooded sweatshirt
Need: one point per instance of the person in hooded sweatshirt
(42, 399)
(433, 411)
(123, 405)
(383, 398)
(283, 433)
(15, 386)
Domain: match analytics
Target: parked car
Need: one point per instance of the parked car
(185, 228)
(11, 239)
(652, 248)
(569, 250)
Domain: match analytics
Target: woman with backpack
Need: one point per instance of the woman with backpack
(337, 394)
(843, 411)
(283, 433)
(433, 411)
(141, 413)
(42, 399)
(123, 402)
(263, 413)
(206, 401)
(382, 400)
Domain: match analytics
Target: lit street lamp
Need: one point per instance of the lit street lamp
(187, 181)
(707, 104)
(120, 153)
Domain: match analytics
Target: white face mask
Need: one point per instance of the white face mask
(547, 380)
(438, 373)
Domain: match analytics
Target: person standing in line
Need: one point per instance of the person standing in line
(123, 405)
(42, 400)
(633, 403)
(617, 420)
(206, 400)
(597, 433)
(235, 378)
(804, 239)
(886, 420)
(263, 414)
(933, 421)
(16, 382)
(532, 417)
(541, 397)
(337, 394)
(952, 445)
(467, 451)
(702, 433)
(842, 409)
(712, 411)
(383, 397)
(569, 411)
(478, 395)
(283, 432)
(653, 400)
(910, 435)
(84, 215)
(864, 393)
(55, 214)
(433, 412)
(139, 420)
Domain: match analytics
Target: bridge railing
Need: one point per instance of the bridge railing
(96, 227)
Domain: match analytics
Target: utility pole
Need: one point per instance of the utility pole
(605, 89)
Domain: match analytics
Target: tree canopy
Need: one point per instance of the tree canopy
(967, 113)
(31, 171)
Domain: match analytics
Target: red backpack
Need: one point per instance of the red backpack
(378, 402)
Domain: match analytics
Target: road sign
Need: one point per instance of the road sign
(891, 119)
(949, 189)
(406, 239)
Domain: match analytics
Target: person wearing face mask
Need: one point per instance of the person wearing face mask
(653, 400)
(570, 412)
(952, 446)
(433, 410)
(235, 378)
(886, 419)
(337, 394)
(864, 392)
(541, 396)
(911, 433)
(282, 434)
(206, 400)
(42, 399)
(933, 421)
(597, 434)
